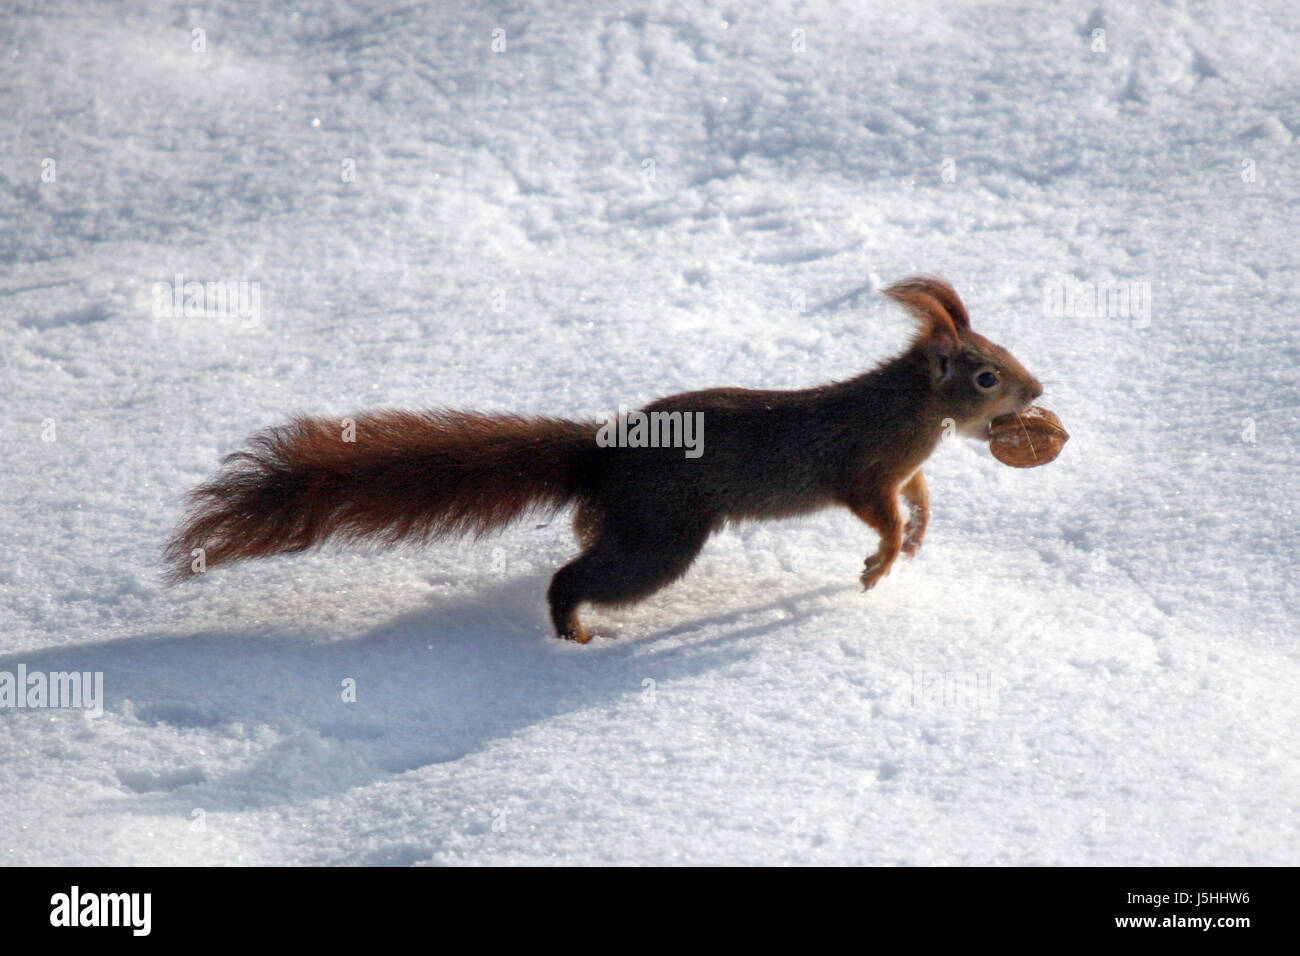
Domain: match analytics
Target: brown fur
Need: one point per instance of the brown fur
(408, 476)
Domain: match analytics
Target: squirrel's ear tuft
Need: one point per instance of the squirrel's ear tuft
(939, 342)
(933, 302)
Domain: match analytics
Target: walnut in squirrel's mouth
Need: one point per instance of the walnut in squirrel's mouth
(1028, 439)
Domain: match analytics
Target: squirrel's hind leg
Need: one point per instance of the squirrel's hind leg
(614, 570)
(586, 525)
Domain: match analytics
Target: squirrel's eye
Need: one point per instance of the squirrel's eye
(986, 380)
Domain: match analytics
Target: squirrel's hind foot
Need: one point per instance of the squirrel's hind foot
(573, 631)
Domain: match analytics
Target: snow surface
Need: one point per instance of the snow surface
(1094, 662)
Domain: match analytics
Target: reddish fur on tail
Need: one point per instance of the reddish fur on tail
(413, 476)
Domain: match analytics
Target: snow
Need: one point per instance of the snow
(1093, 662)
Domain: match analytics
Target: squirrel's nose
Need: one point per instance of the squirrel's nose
(1035, 389)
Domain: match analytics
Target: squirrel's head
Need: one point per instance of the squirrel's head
(973, 380)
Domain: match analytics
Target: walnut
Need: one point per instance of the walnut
(1032, 438)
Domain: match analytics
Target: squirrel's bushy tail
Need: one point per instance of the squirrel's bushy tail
(405, 476)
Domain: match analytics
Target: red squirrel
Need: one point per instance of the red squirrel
(642, 513)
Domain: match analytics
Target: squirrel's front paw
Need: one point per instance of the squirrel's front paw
(873, 570)
(913, 535)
